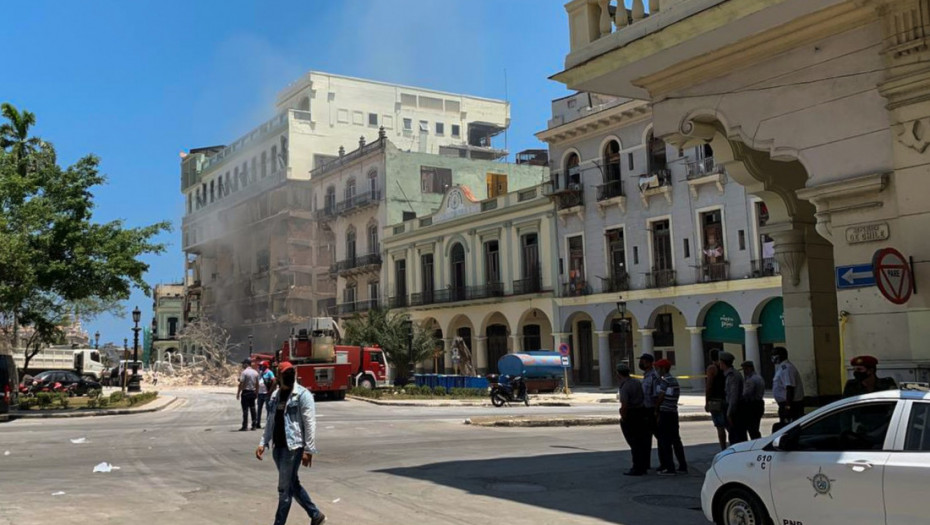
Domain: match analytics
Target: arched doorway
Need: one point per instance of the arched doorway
(581, 327)
(461, 326)
(457, 262)
(437, 360)
(620, 342)
(722, 331)
(771, 322)
(497, 333)
(536, 331)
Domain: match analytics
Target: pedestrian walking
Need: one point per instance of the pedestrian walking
(715, 397)
(736, 426)
(265, 387)
(246, 394)
(753, 402)
(634, 418)
(787, 388)
(154, 377)
(667, 429)
(291, 430)
(650, 378)
(864, 380)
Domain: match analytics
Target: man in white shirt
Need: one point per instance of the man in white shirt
(787, 388)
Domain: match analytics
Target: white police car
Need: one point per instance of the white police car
(863, 460)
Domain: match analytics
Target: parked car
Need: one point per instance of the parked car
(862, 460)
(8, 382)
(71, 382)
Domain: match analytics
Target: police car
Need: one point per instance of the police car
(862, 460)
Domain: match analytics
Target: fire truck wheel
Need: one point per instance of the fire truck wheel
(366, 382)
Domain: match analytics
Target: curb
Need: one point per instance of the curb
(404, 403)
(495, 421)
(93, 413)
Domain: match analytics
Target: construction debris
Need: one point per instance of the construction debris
(195, 375)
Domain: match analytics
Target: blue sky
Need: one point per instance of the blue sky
(137, 82)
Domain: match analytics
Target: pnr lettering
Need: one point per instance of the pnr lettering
(791, 522)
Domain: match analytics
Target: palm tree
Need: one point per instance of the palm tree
(14, 134)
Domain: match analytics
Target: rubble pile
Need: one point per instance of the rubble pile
(195, 375)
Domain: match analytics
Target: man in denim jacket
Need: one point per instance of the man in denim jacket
(291, 428)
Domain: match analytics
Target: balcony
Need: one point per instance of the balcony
(527, 286)
(398, 301)
(617, 283)
(358, 264)
(357, 307)
(454, 295)
(660, 278)
(611, 193)
(765, 267)
(705, 171)
(712, 272)
(358, 202)
(328, 212)
(576, 288)
(658, 182)
(326, 307)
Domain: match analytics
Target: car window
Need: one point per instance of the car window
(857, 428)
(377, 357)
(918, 428)
(71, 377)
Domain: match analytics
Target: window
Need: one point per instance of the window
(457, 271)
(687, 248)
(918, 429)
(304, 104)
(636, 255)
(612, 162)
(665, 354)
(372, 119)
(532, 338)
(408, 124)
(857, 428)
(400, 281)
(492, 261)
(190, 202)
(329, 203)
(576, 281)
(742, 239)
(435, 180)
(254, 167)
(426, 266)
(456, 130)
(350, 245)
(172, 326)
(264, 164)
(530, 245)
(211, 191)
(274, 159)
(572, 172)
(440, 128)
(350, 191)
(616, 258)
(373, 294)
(373, 183)
(373, 246)
(629, 160)
(262, 260)
(664, 334)
(658, 161)
(661, 245)
(349, 294)
(424, 126)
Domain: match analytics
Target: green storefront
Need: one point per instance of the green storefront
(722, 330)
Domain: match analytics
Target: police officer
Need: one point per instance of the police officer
(736, 426)
(864, 379)
(650, 378)
(753, 403)
(787, 388)
(633, 420)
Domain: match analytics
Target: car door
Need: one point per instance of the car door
(908, 467)
(832, 470)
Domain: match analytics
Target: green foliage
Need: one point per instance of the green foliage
(389, 331)
(92, 402)
(116, 397)
(439, 391)
(103, 401)
(142, 398)
(44, 399)
(54, 258)
(63, 400)
(26, 403)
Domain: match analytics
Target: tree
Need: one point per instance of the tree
(390, 331)
(53, 256)
(210, 338)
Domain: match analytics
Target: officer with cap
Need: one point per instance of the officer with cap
(864, 379)
(634, 420)
(753, 403)
(736, 427)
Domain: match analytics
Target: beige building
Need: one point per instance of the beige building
(167, 323)
(818, 107)
(249, 234)
(482, 270)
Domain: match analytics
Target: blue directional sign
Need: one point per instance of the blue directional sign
(855, 276)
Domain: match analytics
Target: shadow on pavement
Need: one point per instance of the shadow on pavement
(581, 483)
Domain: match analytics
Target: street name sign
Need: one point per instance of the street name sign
(854, 276)
(876, 231)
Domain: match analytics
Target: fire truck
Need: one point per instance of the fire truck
(329, 369)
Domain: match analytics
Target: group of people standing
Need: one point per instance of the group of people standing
(650, 408)
(255, 386)
(735, 401)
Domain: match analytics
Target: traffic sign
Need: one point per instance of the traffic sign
(564, 349)
(566, 362)
(854, 276)
(893, 275)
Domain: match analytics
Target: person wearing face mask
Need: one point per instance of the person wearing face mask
(787, 388)
(864, 379)
(650, 378)
(291, 429)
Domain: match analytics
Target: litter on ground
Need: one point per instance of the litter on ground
(105, 467)
(59, 493)
(78, 441)
(336, 500)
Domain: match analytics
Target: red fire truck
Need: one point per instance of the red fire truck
(329, 369)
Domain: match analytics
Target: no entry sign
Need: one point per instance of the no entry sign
(893, 275)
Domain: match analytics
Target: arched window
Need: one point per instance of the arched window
(457, 261)
(350, 245)
(274, 159)
(612, 162)
(329, 203)
(572, 172)
(264, 164)
(254, 167)
(283, 152)
(373, 246)
(304, 104)
(373, 183)
(658, 161)
(350, 191)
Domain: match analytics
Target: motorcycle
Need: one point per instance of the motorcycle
(509, 390)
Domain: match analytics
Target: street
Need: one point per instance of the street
(377, 464)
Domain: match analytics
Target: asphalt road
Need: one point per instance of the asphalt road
(378, 465)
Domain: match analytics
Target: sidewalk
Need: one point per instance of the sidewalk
(159, 403)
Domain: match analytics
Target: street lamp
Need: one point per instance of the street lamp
(135, 380)
(97, 340)
(124, 366)
(621, 307)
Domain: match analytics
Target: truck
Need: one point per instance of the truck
(329, 369)
(83, 361)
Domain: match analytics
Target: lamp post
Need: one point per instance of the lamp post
(97, 340)
(621, 307)
(124, 365)
(135, 380)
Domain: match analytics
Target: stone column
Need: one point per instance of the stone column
(605, 371)
(447, 355)
(516, 343)
(480, 354)
(752, 343)
(697, 357)
(559, 338)
(648, 344)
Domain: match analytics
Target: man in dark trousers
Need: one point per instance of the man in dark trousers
(715, 397)
(753, 402)
(668, 392)
(650, 377)
(736, 427)
(247, 393)
(291, 428)
(634, 421)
